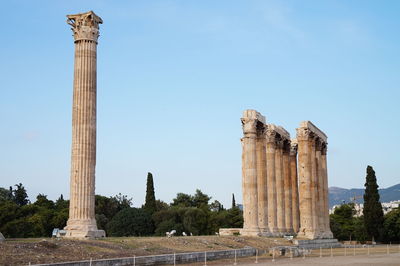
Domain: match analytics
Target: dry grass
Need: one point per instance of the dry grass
(39, 250)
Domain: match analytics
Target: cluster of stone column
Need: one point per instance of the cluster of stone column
(272, 202)
(269, 169)
(313, 182)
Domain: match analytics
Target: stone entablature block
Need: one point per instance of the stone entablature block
(318, 132)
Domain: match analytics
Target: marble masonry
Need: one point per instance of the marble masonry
(82, 222)
(284, 181)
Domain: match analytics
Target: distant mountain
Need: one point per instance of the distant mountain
(337, 195)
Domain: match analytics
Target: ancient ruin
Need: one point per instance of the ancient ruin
(82, 222)
(283, 194)
(313, 182)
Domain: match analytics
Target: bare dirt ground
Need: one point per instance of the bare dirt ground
(387, 260)
(36, 251)
(377, 255)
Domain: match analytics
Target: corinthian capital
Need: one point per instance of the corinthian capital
(280, 143)
(303, 133)
(249, 125)
(324, 148)
(319, 144)
(286, 146)
(270, 135)
(85, 26)
(293, 147)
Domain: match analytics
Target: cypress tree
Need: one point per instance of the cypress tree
(20, 196)
(373, 213)
(233, 201)
(150, 204)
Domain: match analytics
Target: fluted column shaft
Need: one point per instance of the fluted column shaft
(295, 191)
(280, 193)
(287, 189)
(305, 175)
(271, 181)
(314, 188)
(83, 132)
(249, 180)
(320, 189)
(327, 229)
(262, 188)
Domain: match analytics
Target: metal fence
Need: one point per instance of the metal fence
(245, 256)
(317, 256)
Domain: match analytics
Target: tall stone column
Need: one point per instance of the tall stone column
(314, 186)
(287, 188)
(294, 181)
(262, 187)
(327, 232)
(320, 188)
(305, 175)
(249, 179)
(280, 193)
(81, 222)
(271, 182)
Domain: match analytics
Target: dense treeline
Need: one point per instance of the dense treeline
(346, 226)
(372, 225)
(192, 214)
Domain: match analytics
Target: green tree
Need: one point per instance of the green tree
(373, 213)
(235, 218)
(391, 226)
(123, 201)
(150, 203)
(106, 205)
(20, 196)
(168, 226)
(61, 203)
(18, 228)
(195, 221)
(233, 201)
(218, 220)
(341, 222)
(60, 218)
(169, 219)
(200, 200)
(161, 205)
(216, 206)
(130, 222)
(183, 200)
(61, 214)
(5, 194)
(8, 213)
(105, 209)
(360, 234)
(42, 201)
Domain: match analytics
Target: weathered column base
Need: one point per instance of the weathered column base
(290, 232)
(266, 233)
(83, 229)
(85, 234)
(282, 231)
(304, 233)
(274, 232)
(327, 235)
(250, 232)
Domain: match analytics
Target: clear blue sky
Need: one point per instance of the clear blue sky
(174, 78)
